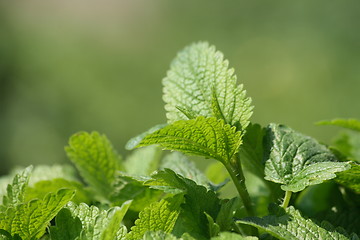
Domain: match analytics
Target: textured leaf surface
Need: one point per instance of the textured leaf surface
(352, 124)
(202, 136)
(158, 216)
(200, 83)
(290, 225)
(198, 200)
(29, 220)
(99, 224)
(296, 160)
(96, 160)
(16, 190)
(348, 143)
(66, 226)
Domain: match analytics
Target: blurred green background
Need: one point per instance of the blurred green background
(67, 66)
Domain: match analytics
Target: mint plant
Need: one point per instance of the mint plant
(311, 190)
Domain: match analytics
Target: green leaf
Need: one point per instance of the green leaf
(158, 216)
(180, 164)
(290, 225)
(202, 136)
(96, 160)
(41, 188)
(200, 82)
(350, 178)
(99, 224)
(66, 226)
(232, 236)
(45, 173)
(226, 214)
(214, 228)
(143, 161)
(16, 190)
(29, 220)
(352, 124)
(133, 142)
(297, 161)
(198, 200)
(131, 187)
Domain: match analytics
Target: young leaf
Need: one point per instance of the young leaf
(16, 190)
(96, 160)
(352, 124)
(29, 220)
(99, 224)
(200, 82)
(297, 161)
(290, 225)
(202, 136)
(158, 216)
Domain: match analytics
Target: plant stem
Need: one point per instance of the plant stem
(286, 199)
(238, 178)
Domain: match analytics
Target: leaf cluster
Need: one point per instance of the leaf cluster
(312, 190)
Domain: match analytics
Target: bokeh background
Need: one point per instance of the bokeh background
(67, 66)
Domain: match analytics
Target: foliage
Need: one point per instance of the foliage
(150, 195)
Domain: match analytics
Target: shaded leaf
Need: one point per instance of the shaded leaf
(290, 225)
(297, 161)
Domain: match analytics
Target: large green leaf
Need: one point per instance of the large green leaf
(290, 225)
(29, 220)
(96, 160)
(297, 161)
(232, 236)
(159, 216)
(202, 136)
(200, 83)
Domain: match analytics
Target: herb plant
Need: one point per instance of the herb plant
(311, 190)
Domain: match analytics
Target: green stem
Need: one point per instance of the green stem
(287, 198)
(238, 178)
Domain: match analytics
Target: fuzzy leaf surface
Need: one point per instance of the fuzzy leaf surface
(159, 216)
(290, 225)
(297, 161)
(29, 220)
(200, 83)
(207, 137)
(96, 160)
